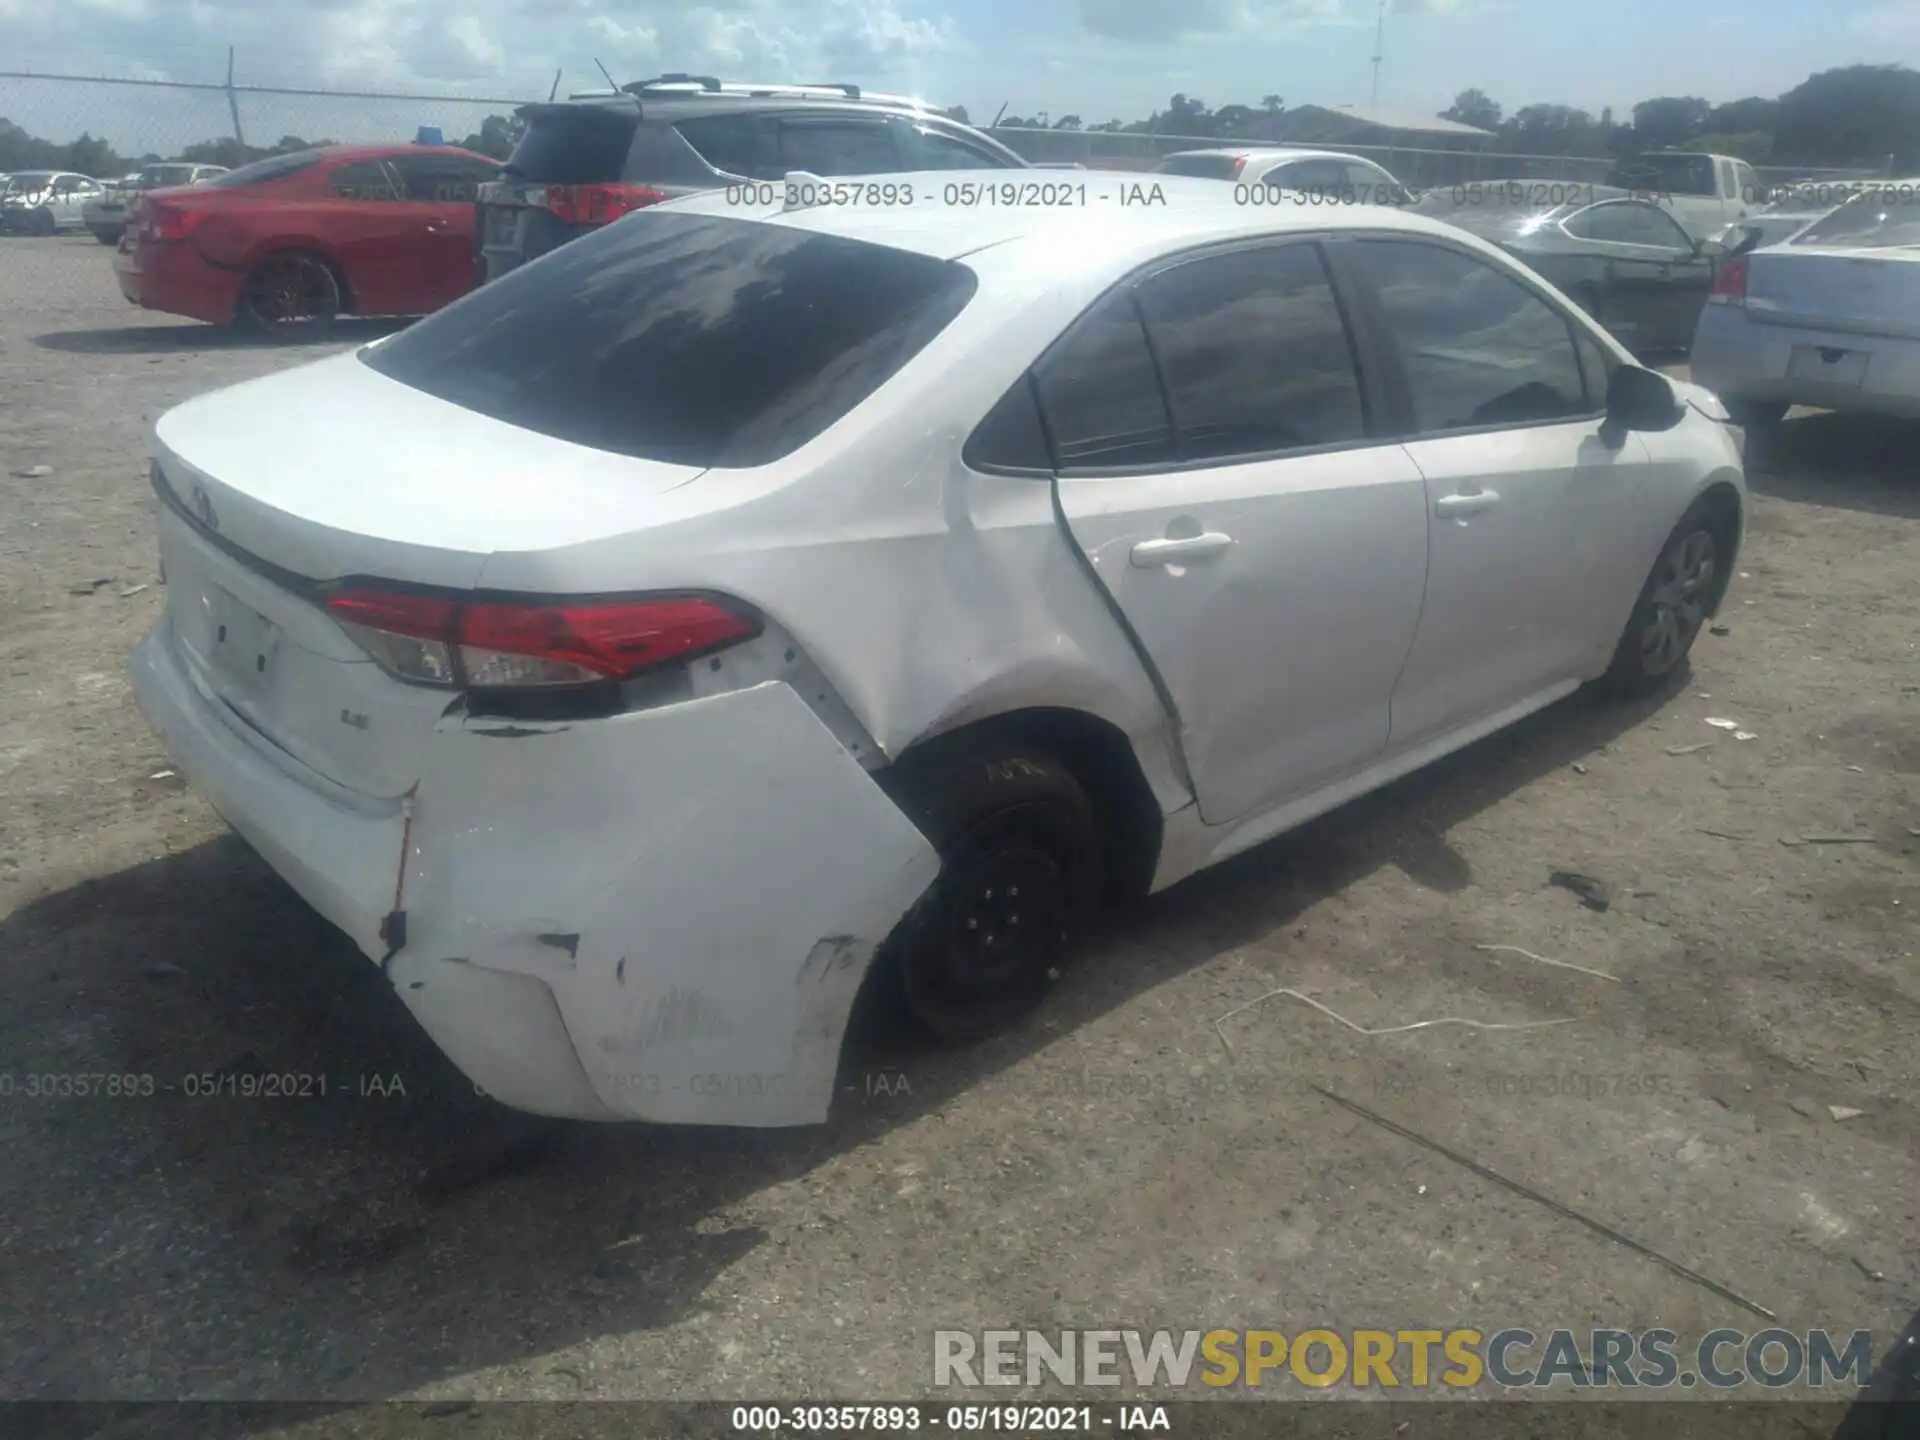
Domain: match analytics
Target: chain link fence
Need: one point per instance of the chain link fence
(104, 127)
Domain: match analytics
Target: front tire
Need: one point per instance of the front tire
(42, 223)
(292, 293)
(1019, 883)
(1673, 605)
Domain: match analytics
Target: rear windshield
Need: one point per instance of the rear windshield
(28, 180)
(1494, 213)
(1206, 167)
(274, 167)
(1875, 217)
(578, 145)
(1667, 174)
(693, 339)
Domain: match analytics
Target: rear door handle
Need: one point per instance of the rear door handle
(1151, 553)
(1452, 507)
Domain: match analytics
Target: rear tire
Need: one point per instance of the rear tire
(290, 294)
(1019, 884)
(1672, 609)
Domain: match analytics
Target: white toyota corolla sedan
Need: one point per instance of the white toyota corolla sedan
(746, 604)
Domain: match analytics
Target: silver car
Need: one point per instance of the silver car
(1829, 318)
(106, 215)
(43, 202)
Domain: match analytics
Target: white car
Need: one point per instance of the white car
(106, 214)
(1330, 176)
(1830, 318)
(44, 202)
(742, 604)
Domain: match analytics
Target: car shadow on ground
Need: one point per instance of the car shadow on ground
(1857, 462)
(176, 339)
(363, 1243)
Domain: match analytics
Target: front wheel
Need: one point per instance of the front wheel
(41, 222)
(1673, 605)
(290, 294)
(1019, 883)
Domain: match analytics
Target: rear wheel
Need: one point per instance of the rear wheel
(1019, 883)
(1674, 604)
(290, 294)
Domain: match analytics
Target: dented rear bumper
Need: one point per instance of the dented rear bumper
(663, 915)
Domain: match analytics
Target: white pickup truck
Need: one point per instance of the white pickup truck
(1705, 193)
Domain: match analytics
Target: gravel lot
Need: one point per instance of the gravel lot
(1111, 1164)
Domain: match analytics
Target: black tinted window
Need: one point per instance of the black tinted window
(369, 181)
(442, 179)
(1479, 347)
(1011, 436)
(694, 339)
(1205, 167)
(575, 145)
(838, 147)
(1102, 395)
(743, 145)
(1254, 352)
(274, 167)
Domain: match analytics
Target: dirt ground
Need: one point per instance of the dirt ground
(1121, 1161)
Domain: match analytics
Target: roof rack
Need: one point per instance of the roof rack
(678, 86)
(675, 77)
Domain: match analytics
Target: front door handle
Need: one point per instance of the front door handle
(1472, 502)
(1151, 553)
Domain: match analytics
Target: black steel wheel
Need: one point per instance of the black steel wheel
(1019, 883)
(292, 293)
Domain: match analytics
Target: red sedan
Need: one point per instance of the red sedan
(290, 242)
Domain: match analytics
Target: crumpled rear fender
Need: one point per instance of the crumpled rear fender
(703, 887)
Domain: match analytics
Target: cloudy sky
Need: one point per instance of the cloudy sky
(1095, 58)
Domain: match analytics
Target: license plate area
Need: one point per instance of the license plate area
(502, 227)
(242, 644)
(1828, 365)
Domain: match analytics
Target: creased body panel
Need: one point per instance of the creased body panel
(714, 879)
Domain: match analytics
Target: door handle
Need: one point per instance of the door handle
(1151, 553)
(436, 225)
(1450, 507)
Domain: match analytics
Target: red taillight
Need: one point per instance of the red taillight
(599, 204)
(503, 644)
(1730, 285)
(163, 222)
(1239, 164)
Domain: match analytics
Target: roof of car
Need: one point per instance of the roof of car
(677, 104)
(1118, 220)
(1276, 152)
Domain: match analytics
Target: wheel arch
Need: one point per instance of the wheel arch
(1095, 751)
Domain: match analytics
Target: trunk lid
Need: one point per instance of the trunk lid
(1868, 291)
(330, 471)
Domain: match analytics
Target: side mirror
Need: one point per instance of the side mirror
(1638, 399)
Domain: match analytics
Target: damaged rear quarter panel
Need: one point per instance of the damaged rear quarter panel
(728, 870)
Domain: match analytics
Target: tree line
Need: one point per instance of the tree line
(1854, 115)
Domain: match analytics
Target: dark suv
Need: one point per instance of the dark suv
(591, 159)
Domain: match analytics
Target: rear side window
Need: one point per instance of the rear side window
(743, 145)
(1101, 392)
(1479, 348)
(1255, 353)
(368, 180)
(839, 147)
(577, 145)
(935, 151)
(692, 339)
(1204, 167)
(274, 167)
(442, 179)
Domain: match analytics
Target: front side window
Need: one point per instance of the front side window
(1254, 353)
(691, 339)
(1101, 392)
(1478, 347)
(934, 151)
(838, 147)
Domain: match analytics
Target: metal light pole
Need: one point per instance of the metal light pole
(1379, 50)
